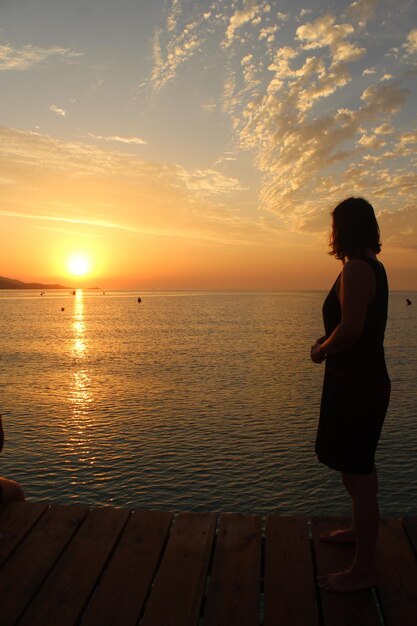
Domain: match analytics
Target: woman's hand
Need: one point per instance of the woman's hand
(316, 355)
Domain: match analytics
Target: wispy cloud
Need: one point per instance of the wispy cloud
(57, 110)
(68, 220)
(28, 56)
(124, 192)
(118, 139)
(175, 44)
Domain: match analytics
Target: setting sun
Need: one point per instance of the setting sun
(79, 264)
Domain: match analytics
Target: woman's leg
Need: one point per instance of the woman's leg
(363, 490)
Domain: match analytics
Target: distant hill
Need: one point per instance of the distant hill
(11, 283)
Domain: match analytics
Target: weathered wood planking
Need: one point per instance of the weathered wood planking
(25, 571)
(177, 593)
(410, 525)
(62, 597)
(290, 590)
(397, 575)
(341, 609)
(121, 594)
(17, 519)
(70, 566)
(234, 588)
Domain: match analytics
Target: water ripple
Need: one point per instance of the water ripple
(198, 402)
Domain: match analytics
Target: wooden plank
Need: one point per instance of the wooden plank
(176, 596)
(397, 575)
(410, 525)
(341, 609)
(233, 593)
(69, 585)
(290, 590)
(25, 571)
(122, 591)
(16, 520)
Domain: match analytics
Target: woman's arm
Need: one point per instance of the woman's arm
(357, 289)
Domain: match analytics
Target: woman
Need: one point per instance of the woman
(356, 386)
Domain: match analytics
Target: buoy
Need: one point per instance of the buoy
(62, 308)
(139, 299)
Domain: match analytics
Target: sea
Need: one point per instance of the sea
(196, 401)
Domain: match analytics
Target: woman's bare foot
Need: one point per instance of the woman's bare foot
(347, 581)
(343, 535)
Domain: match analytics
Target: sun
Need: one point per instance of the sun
(79, 264)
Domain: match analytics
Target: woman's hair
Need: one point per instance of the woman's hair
(354, 230)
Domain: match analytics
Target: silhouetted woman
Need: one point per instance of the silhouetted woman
(356, 386)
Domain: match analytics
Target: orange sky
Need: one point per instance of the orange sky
(203, 146)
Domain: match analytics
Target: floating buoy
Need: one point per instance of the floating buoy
(62, 308)
(139, 299)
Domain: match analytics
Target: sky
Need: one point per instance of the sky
(184, 144)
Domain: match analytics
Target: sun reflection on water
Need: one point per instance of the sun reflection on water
(78, 326)
(81, 397)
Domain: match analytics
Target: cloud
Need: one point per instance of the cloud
(362, 11)
(57, 110)
(371, 141)
(177, 42)
(241, 16)
(209, 182)
(286, 104)
(383, 99)
(113, 190)
(81, 160)
(68, 220)
(292, 151)
(227, 157)
(325, 32)
(268, 33)
(116, 138)
(411, 42)
(170, 55)
(209, 106)
(173, 15)
(284, 17)
(28, 56)
(399, 228)
(384, 129)
(407, 143)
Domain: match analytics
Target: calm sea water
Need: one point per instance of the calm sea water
(186, 401)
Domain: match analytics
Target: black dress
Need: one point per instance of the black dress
(356, 386)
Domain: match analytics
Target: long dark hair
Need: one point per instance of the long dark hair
(354, 230)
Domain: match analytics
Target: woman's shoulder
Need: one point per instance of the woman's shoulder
(356, 266)
(357, 274)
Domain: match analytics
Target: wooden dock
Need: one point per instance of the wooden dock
(67, 565)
